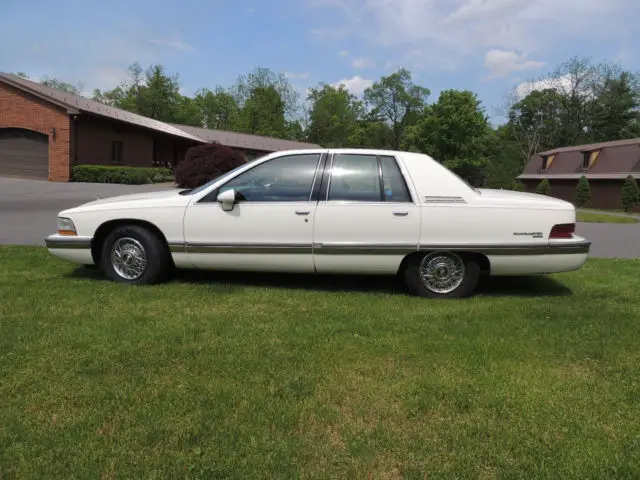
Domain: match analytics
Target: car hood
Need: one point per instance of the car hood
(511, 197)
(160, 198)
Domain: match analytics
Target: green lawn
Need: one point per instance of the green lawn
(243, 376)
(600, 217)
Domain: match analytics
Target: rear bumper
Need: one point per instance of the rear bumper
(70, 248)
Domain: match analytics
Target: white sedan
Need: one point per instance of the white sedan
(329, 211)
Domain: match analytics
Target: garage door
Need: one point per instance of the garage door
(24, 153)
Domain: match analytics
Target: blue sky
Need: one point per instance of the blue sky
(487, 46)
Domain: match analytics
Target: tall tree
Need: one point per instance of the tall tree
(263, 113)
(616, 109)
(333, 117)
(218, 108)
(455, 131)
(397, 100)
(535, 120)
(263, 79)
(159, 97)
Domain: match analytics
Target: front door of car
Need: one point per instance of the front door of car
(368, 218)
(268, 227)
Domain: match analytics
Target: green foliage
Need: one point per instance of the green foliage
(583, 192)
(456, 132)
(630, 193)
(218, 109)
(397, 100)
(263, 113)
(60, 85)
(120, 174)
(544, 187)
(517, 186)
(334, 117)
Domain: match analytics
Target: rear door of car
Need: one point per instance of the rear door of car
(368, 216)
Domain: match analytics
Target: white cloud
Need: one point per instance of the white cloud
(561, 84)
(362, 63)
(343, 53)
(460, 31)
(501, 63)
(175, 43)
(356, 85)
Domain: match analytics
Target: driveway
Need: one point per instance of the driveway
(28, 210)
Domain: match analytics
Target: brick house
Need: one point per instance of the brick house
(606, 166)
(44, 132)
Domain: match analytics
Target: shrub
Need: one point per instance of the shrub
(544, 187)
(583, 192)
(206, 162)
(120, 174)
(518, 186)
(630, 193)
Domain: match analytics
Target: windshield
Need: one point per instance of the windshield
(193, 191)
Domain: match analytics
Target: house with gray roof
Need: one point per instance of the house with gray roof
(44, 132)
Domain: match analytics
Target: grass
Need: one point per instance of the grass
(600, 217)
(244, 376)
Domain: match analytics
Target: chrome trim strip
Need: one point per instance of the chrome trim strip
(436, 199)
(248, 248)
(378, 249)
(516, 249)
(72, 243)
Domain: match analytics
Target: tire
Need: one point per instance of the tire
(460, 285)
(139, 243)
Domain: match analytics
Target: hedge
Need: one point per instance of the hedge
(120, 174)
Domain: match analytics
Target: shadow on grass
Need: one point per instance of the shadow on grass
(533, 286)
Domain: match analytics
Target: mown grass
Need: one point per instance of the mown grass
(599, 217)
(244, 376)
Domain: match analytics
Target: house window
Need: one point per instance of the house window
(545, 161)
(585, 160)
(116, 152)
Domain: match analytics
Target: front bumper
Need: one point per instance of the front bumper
(71, 248)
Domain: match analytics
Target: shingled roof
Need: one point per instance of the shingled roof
(244, 140)
(77, 104)
(606, 160)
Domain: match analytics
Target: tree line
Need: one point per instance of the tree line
(579, 102)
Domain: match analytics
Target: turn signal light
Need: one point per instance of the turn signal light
(563, 230)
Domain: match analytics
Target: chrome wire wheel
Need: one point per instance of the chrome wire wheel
(442, 272)
(128, 258)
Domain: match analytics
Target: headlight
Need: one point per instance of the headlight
(66, 226)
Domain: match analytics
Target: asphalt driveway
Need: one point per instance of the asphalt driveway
(28, 210)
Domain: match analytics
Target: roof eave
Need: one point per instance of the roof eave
(8, 81)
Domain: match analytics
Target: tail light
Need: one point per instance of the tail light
(563, 230)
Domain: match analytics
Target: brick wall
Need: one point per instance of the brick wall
(22, 110)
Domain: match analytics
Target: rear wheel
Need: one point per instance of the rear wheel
(132, 254)
(442, 275)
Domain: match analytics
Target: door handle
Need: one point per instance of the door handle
(402, 213)
(303, 212)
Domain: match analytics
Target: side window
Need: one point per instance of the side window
(283, 179)
(395, 187)
(355, 178)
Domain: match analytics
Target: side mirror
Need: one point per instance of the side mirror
(227, 199)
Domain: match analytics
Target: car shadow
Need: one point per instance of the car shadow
(533, 286)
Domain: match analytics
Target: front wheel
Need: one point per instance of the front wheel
(132, 254)
(442, 275)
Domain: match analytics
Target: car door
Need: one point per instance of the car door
(368, 218)
(270, 225)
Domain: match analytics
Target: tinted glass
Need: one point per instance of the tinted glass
(284, 179)
(395, 188)
(355, 178)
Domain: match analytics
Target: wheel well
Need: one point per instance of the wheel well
(107, 227)
(483, 261)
